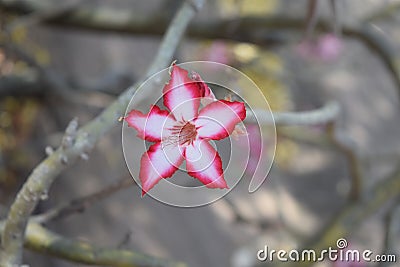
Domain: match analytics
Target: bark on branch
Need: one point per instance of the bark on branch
(326, 114)
(41, 240)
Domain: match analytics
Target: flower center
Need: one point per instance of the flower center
(183, 134)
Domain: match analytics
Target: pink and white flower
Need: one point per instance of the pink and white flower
(183, 132)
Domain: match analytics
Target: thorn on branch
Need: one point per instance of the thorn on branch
(64, 159)
(84, 156)
(70, 134)
(196, 5)
(49, 150)
(126, 239)
(44, 195)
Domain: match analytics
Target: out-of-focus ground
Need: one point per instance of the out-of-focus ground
(304, 189)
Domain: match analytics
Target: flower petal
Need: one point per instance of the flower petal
(204, 163)
(182, 95)
(206, 94)
(157, 163)
(218, 119)
(152, 126)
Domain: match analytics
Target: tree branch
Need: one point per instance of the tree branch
(323, 115)
(85, 138)
(82, 203)
(347, 147)
(93, 18)
(258, 30)
(20, 85)
(392, 230)
(41, 240)
(43, 14)
(312, 17)
(44, 80)
(386, 12)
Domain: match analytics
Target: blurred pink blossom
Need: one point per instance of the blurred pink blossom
(255, 145)
(218, 52)
(326, 48)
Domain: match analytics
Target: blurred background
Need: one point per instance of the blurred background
(60, 60)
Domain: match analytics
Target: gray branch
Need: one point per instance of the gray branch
(323, 115)
(41, 240)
